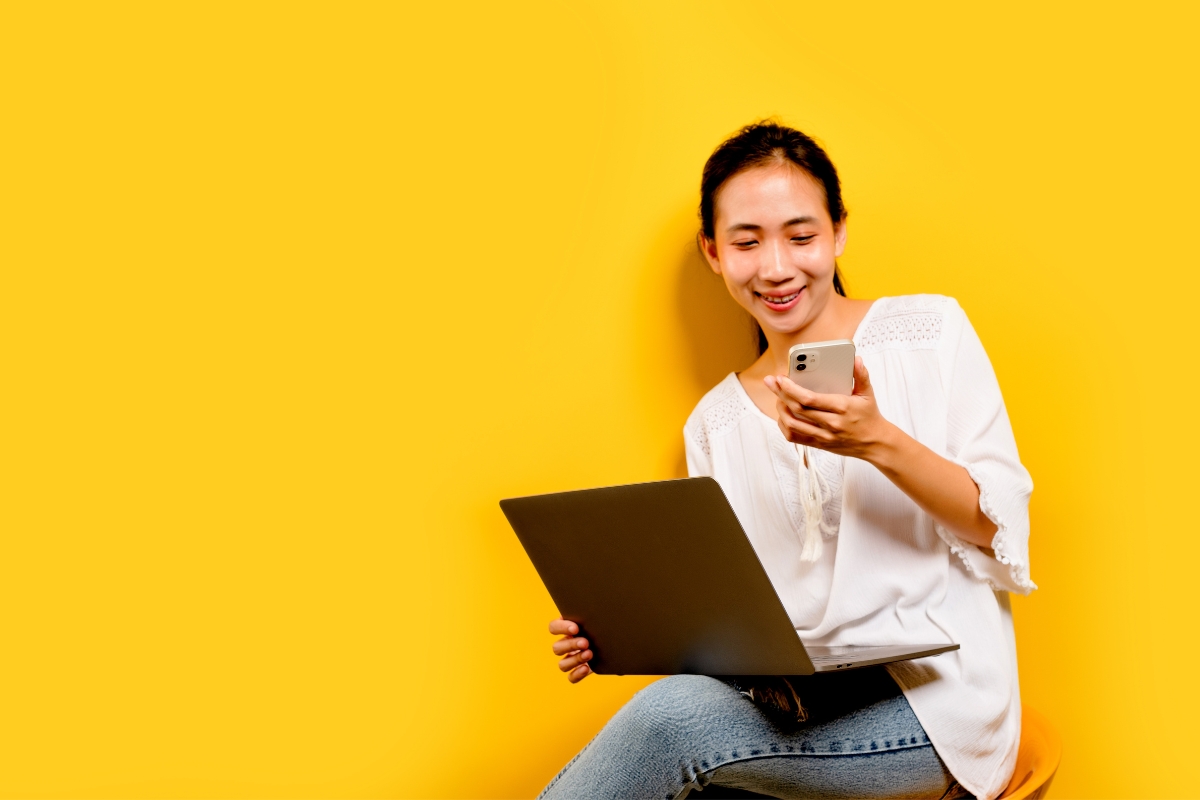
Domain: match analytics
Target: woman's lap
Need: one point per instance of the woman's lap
(685, 732)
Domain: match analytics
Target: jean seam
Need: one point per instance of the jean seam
(694, 783)
(566, 767)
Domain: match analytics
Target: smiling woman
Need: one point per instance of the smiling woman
(897, 514)
(820, 186)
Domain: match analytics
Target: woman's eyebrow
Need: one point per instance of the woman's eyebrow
(749, 226)
(743, 226)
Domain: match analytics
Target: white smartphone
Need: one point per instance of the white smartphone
(823, 367)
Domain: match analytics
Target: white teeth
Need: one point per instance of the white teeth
(779, 301)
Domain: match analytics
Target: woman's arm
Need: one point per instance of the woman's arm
(853, 426)
(939, 486)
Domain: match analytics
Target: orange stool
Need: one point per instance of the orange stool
(1037, 758)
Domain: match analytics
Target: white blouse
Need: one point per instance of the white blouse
(888, 574)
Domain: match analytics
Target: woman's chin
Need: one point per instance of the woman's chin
(782, 324)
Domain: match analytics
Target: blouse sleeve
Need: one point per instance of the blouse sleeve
(979, 437)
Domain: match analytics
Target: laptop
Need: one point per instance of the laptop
(662, 580)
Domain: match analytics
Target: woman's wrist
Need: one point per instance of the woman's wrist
(887, 452)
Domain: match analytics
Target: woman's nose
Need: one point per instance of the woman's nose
(773, 267)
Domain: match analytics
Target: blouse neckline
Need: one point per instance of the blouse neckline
(748, 400)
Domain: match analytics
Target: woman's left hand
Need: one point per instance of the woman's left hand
(849, 425)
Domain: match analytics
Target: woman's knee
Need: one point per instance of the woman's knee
(677, 704)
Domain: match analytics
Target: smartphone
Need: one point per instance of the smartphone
(823, 367)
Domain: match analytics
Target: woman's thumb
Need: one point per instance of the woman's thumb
(862, 379)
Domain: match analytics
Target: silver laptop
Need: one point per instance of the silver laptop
(662, 580)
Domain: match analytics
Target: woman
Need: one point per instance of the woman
(897, 515)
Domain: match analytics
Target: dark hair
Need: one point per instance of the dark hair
(762, 143)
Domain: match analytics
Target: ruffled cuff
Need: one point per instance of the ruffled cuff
(1009, 569)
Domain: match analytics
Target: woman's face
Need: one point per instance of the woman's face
(775, 245)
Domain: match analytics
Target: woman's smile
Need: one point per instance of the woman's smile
(781, 302)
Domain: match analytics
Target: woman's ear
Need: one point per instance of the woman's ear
(839, 238)
(709, 248)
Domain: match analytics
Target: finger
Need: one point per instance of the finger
(574, 660)
(826, 420)
(776, 384)
(568, 645)
(862, 378)
(790, 410)
(832, 420)
(821, 402)
(801, 432)
(787, 404)
(563, 627)
(786, 389)
(579, 674)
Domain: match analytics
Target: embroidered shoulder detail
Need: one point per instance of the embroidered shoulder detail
(911, 322)
(718, 412)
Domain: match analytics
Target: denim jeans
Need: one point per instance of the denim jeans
(683, 733)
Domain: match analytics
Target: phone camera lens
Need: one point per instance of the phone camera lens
(801, 367)
(802, 357)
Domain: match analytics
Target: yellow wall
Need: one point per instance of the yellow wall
(293, 293)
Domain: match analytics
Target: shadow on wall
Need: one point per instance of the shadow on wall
(720, 336)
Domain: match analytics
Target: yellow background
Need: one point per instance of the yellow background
(293, 293)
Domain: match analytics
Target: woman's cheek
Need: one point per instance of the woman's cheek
(742, 276)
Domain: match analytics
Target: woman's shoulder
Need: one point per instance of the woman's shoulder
(909, 322)
(721, 408)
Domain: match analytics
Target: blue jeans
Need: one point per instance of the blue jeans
(686, 732)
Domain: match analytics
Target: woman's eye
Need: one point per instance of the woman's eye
(745, 243)
(804, 239)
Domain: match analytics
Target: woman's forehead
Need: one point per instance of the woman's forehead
(771, 190)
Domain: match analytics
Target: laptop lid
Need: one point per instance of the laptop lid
(660, 578)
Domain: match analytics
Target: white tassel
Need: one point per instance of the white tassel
(811, 500)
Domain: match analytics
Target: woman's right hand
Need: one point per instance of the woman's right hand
(573, 648)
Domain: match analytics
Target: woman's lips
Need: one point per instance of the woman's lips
(781, 302)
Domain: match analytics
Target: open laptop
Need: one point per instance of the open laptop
(662, 580)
